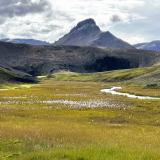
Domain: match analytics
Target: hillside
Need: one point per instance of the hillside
(14, 76)
(42, 60)
(145, 76)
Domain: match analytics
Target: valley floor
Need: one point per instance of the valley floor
(67, 120)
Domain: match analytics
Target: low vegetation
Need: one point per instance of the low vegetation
(38, 123)
(149, 76)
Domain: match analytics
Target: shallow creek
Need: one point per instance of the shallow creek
(114, 91)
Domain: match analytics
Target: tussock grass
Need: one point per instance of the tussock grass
(55, 131)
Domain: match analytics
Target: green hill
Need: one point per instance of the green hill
(147, 75)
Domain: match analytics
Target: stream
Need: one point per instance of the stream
(114, 91)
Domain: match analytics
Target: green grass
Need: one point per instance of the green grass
(103, 76)
(85, 153)
(143, 76)
(36, 131)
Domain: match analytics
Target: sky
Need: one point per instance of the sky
(134, 21)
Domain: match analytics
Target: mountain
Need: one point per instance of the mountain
(26, 41)
(87, 33)
(42, 60)
(81, 35)
(152, 46)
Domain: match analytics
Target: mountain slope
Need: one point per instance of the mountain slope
(152, 46)
(87, 33)
(108, 40)
(25, 41)
(42, 60)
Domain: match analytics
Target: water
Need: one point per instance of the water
(114, 91)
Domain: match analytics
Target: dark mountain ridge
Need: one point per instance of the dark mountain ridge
(41, 60)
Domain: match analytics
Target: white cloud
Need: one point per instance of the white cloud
(134, 20)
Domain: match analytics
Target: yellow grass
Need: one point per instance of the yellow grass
(31, 130)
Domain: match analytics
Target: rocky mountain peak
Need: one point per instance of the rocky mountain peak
(84, 32)
(88, 24)
(87, 21)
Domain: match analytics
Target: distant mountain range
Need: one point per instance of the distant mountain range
(152, 46)
(87, 33)
(26, 41)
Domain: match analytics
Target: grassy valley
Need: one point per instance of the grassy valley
(87, 95)
(65, 116)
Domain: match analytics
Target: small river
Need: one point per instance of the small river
(114, 91)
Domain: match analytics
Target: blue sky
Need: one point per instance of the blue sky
(132, 20)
